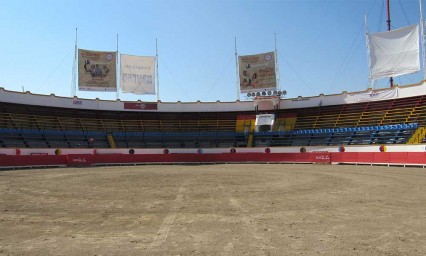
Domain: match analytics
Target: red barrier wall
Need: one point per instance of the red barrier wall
(314, 157)
(7, 160)
(380, 157)
(211, 158)
(32, 160)
(80, 160)
(416, 158)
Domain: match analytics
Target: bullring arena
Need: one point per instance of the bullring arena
(263, 174)
(109, 178)
(331, 174)
(218, 209)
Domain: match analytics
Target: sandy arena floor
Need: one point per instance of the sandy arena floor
(233, 209)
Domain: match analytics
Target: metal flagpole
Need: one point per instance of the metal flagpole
(117, 76)
(277, 69)
(389, 28)
(237, 72)
(422, 36)
(156, 70)
(370, 81)
(74, 69)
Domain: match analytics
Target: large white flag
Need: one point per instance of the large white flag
(137, 74)
(394, 53)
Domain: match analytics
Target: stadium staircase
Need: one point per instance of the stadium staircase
(245, 124)
(418, 136)
(111, 141)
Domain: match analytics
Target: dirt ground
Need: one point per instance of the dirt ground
(236, 209)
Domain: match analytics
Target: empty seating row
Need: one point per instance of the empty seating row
(32, 138)
(153, 134)
(114, 121)
(402, 110)
(179, 139)
(387, 134)
(345, 129)
(51, 132)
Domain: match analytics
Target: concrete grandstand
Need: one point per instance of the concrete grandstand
(306, 129)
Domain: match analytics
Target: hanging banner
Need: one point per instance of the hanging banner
(376, 95)
(257, 72)
(97, 71)
(137, 74)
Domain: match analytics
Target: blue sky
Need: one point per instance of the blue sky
(321, 43)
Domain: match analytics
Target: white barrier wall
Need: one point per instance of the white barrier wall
(67, 151)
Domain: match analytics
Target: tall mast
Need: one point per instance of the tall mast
(156, 70)
(237, 71)
(422, 37)
(389, 28)
(370, 81)
(74, 68)
(277, 69)
(117, 78)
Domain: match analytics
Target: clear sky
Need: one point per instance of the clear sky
(321, 43)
